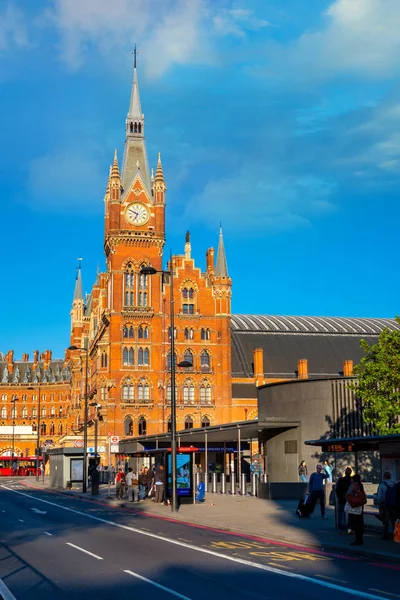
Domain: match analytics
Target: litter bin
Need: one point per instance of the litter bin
(95, 482)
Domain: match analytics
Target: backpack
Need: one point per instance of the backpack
(390, 496)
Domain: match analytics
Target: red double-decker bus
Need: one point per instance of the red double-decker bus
(26, 465)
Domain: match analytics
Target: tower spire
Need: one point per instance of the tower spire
(78, 294)
(221, 269)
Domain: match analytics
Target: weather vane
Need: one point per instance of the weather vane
(135, 53)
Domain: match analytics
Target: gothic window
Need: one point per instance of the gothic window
(44, 411)
(52, 429)
(60, 411)
(169, 333)
(127, 389)
(135, 129)
(24, 398)
(125, 332)
(24, 412)
(188, 309)
(142, 298)
(205, 361)
(143, 357)
(188, 356)
(143, 332)
(3, 412)
(34, 398)
(205, 422)
(205, 393)
(4, 397)
(51, 397)
(103, 394)
(128, 356)
(34, 412)
(104, 359)
(43, 429)
(142, 426)
(186, 333)
(188, 422)
(60, 429)
(52, 411)
(143, 281)
(131, 127)
(189, 333)
(128, 426)
(14, 412)
(205, 334)
(139, 127)
(143, 390)
(43, 398)
(169, 393)
(129, 299)
(169, 361)
(188, 392)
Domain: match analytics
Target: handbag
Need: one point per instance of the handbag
(352, 510)
(358, 498)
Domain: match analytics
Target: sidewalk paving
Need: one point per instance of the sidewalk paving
(275, 520)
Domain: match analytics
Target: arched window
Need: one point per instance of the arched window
(188, 392)
(60, 429)
(14, 412)
(188, 296)
(169, 361)
(128, 426)
(135, 128)
(104, 359)
(143, 281)
(4, 397)
(34, 412)
(52, 397)
(52, 411)
(205, 422)
(188, 356)
(129, 282)
(188, 422)
(128, 356)
(143, 332)
(205, 334)
(52, 429)
(143, 390)
(24, 398)
(43, 411)
(139, 127)
(3, 412)
(186, 333)
(131, 332)
(143, 357)
(127, 389)
(205, 393)
(34, 427)
(169, 393)
(169, 333)
(43, 429)
(131, 127)
(125, 332)
(60, 411)
(205, 361)
(188, 309)
(142, 426)
(24, 412)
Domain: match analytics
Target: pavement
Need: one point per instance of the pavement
(58, 545)
(275, 520)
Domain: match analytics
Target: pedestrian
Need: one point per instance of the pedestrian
(316, 491)
(142, 483)
(303, 471)
(256, 468)
(356, 510)
(120, 487)
(159, 479)
(150, 481)
(342, 487)
(15, 468)
(387, 505)
(328, 470)
(128, 481)
(135, 488)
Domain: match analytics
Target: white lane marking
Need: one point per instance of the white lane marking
(39, 512)
(85, 551)
(157, 585)
(242, 561)
(47, 533)
(5, 592)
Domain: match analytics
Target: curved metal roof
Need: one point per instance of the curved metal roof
(310, 325)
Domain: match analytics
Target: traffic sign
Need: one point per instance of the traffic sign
(109, 434)
(78, 443)
(114, 439)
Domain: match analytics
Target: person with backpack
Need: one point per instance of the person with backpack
(387, 505)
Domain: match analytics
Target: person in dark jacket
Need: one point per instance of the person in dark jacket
(357, 521)
(342, 488)
(316, 490)
(159, 480)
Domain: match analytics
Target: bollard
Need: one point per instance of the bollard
(223, 483)
(206, 477)
(254, 484)
(243, 489)
(214, 483)
(232, 481)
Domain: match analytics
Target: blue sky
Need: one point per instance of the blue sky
(280, 119)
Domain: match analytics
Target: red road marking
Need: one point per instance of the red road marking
(385, 566)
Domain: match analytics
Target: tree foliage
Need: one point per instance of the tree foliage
(378, 382)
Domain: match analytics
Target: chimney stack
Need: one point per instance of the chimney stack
(35, 358)
(47, 359)
(25, 357)
(258, 358)
(10, 360)
(302, 368)
(348, 368)
(210, 260)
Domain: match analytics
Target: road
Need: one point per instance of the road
(54, 546)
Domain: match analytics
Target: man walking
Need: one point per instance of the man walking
(120, 484)
(159, 484)
(387, 505)
(316, 490)
(342, 487)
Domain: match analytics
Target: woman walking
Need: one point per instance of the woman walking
(303, 471)
(355, 509)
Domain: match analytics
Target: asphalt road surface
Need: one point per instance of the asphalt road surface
(56, 547)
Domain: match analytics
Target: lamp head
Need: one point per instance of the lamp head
(185, 364)
(149, 270)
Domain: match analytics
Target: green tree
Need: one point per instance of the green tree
(378, 382)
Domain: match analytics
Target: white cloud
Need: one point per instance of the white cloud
(13, 30)
(237, 22)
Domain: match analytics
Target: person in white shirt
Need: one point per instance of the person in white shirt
(133, 486)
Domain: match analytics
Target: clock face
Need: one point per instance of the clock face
(137, 214)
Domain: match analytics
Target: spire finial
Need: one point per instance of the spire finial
(78, 294)
(134, 57)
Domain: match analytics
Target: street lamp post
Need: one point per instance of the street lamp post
(152, 271)
(37, 432)
(97, 418)
(85, 417)
(13, 401)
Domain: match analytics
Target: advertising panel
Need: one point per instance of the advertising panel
(76, 469)
(183, 476)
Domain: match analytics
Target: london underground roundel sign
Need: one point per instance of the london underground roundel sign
(78, 443)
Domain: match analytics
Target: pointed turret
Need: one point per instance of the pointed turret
(135, 156)
(78, 294)
(221, 269)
